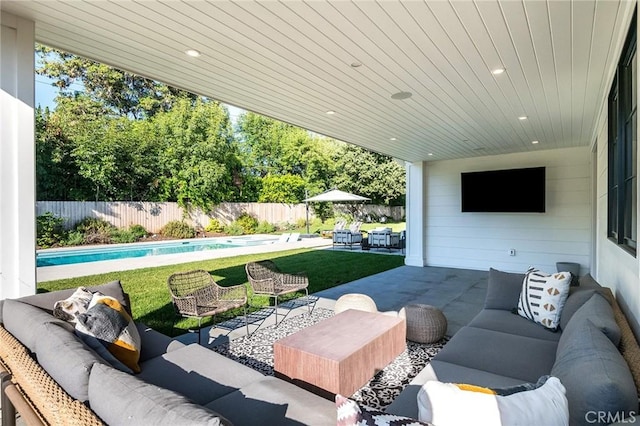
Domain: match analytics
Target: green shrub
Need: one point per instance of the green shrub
(234, 228)
(248, 223)
(96, 231)
(74, 238)
(123, 236)
(50, 230)
(178, 229)
(265, 227)
(214, 226)
(138, 231)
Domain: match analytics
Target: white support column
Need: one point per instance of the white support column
(17, 157)
(416, 214)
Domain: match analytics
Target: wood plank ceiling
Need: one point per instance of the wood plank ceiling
(296, 60)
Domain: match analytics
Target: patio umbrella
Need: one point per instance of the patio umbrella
(336, 196)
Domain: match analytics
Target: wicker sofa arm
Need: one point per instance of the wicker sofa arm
(33, 393)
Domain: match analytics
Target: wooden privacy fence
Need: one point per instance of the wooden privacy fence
(153, 216)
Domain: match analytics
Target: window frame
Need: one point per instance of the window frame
(622, 148)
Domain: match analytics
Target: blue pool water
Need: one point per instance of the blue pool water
(69, 256)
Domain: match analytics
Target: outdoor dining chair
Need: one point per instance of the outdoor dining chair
(266, 279)
(194, 294)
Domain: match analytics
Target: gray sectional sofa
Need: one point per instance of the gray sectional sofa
(501, 349)
(178, 385)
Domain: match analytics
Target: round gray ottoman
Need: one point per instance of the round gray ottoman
(425, 323)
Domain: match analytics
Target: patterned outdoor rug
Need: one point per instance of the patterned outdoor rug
(256, 351)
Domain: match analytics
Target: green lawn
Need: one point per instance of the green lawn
(149, 295)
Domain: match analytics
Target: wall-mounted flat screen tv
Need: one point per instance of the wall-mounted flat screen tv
(504, 191)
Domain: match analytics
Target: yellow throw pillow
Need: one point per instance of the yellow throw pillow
(108, 321)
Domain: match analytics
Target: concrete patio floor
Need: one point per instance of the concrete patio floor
(459, 293)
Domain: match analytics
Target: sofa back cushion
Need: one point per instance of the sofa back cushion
(67, 360)
(503, 290)
(598, 311)
(46, 301)
(23, 321)
(119, 398)
(595, 375)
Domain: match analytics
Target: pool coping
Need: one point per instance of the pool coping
(49, 273)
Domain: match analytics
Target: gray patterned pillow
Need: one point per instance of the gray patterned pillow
(352, 414)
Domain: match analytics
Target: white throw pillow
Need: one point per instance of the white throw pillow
(543, 296)
(448, 404)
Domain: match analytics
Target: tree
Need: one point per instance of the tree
(282, 189)
(58, 176)
(371, 175)
(124, 93)
(271, 148)
(199, 156)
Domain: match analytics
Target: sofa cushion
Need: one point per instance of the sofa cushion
(448, 404)
(500, 353)
(577, 297)
(350, 413)
(407, 404)
(120, 399)
(587, 281)
(508, 322)
(154, 344)
(271, 401)
(595, 375)
(503, 290)
(24, 321)
(543, 296)
(198, 373)
(598, 311)
(67, 360)
(46, 301)
(107, 321)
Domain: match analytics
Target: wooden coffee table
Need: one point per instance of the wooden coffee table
(341, 353)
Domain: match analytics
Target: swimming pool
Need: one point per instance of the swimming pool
(64, 256)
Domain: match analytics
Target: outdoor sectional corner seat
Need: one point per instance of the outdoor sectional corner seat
(594, 354)
(178, 384)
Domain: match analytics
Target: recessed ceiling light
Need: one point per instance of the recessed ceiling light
(192, 52)
(522, 117)
(535, 142)
(330, 112)
(430, 154)
(356, 64)
(392, 139)
(497, 71)
(401, 95)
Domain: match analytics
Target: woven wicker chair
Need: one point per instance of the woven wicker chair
(195, 294)
(265, 278)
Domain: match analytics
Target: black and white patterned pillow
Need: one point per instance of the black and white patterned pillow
(352, 414)
(543, 296)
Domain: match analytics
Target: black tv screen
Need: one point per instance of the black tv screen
(504, 191)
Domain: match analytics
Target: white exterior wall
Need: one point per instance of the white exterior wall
(416, 211)
(615, 267)
(483, 240)
(17, 158)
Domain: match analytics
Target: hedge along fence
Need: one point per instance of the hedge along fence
(153, 216)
